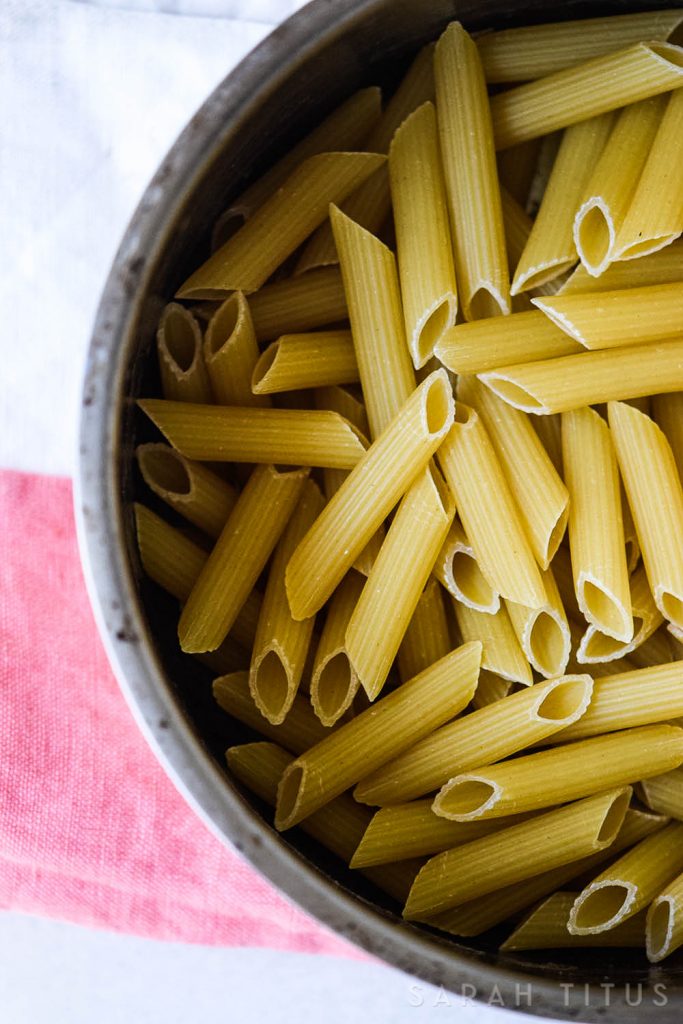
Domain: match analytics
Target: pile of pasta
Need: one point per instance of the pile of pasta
(436, 544)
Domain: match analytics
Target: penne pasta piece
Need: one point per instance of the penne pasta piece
(427, 638)
(558, 385)
(630, 536)
(667, 412)
(397, 579)
(231, 353)
(300, 729)
(549, 430)
(502, 654)
(456, 568)
(596, 647)
(238, 557)
(629, 316)
(377, 734)
(533, 51)
(517, 853)
(612, 183)
(596, 531)
(298, 304)
(655, 496)
(193, 490)
(629, 884)
(543, 633)
(490, 689)
(664, 925)
(517, 224)
(423, 239)
(334, 680)
(586, 90)
(299, 437)
(490, 734)
(655, 216)
(661, 267)
(517, 167)
(374, 301)
(184, 377)
(550, 248)
(539, 493)
(488, 511)
(280, 225)
(664, 793)
(281, 644)
(546, 928)
(306, 361)
(471, 176)
(481, 914)
(368, 494)
(565, 773)
(488, 344)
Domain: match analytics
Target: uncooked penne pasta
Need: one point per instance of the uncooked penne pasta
(427, 638)
(423, 239)
(311, 360)
(664, 926)
(543, 633)
(564, 773)
(300, 729)
(378, 734)
(629, 316)
(661, 267)
(612, 182)
(502, 654)
(281, 644)
(667, 412)
(629, 884)
(490, 734)
(193, 490)
(558, 385)
(539, 492)
(184, 377)
(169, 557)
(546, 928)
(294, 437)
(664, 793)
(297, 304)
(488, 511)
(550, 249)
(490, 689)
(456, 568)
(518, 338)
(517, 853)
(397, 579)
(586, 90)
(231, 353)
(655, 496)
(334, 680)
(596, 531)
(368, 494)
(374, 301)
(239, 556)
(533, 51)
(517, 224)
(280, 225)
(655, 216)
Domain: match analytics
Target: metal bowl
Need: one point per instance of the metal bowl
(280, 90)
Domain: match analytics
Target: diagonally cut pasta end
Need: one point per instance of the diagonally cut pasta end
(334, 684)
(603, 609)
(438, 404)
(503, 384)
(466, 798)
(594, 235)
(224, 324)
(560, 319)
(431, 327)
(601, 906)
(179, 340)
(670, 605)
(288, 809)
(265, 363)
(564, 701)
(534, 277)
(548, 642)
(486, 301)
(271, 684)
(164, 470)
(659, 928)
(554, 538)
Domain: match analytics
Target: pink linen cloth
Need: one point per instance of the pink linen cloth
(91, 829)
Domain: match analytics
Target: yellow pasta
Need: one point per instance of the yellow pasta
(299, 437)
(334, 680)
(664, 793)
(543, 633)
(490, 734)
(298, 304)
(564, 773)
(586, 90)
(546, 928)
(550, 249)
(667, 411)
(372, 294)
(502, 654)
(370, 491)
(558, 385)
(377, 734)
(630, 884)
(456, 568)
(664, 926)
(193, 490)
(300, 729)
(596, 646)
(279, 226)
(231, 353)
(397, 579)
(517, 853)
(516, 168)
(612, 183)
(655, 496)
(533, 51)
(423, 238)
(661, 267)
(488, 511)
(184, 377)
(427, 638)
(306, 361)
(493, 342)
(471, 176)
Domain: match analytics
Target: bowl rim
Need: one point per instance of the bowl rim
(114, 597)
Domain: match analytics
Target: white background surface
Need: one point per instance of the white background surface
(92, 97)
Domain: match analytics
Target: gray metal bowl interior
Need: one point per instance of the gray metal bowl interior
(282, 88)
